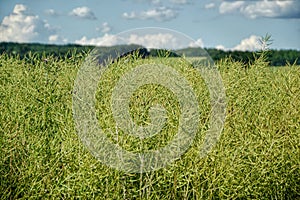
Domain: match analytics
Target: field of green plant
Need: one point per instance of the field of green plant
(41, 156)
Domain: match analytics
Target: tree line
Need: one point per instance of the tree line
(275, 57)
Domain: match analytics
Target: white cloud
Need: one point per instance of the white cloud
(197, 43)
(221, 47)
(106, 40)
(249, 44)
(209, 6)
(21, 26)
(158, 14)
(105, 28)
(156, 40)
(228, 7)
(131, 15)
(273, 9)
(19, 9)
(263, 8)
(83, 12)
(57, 39)
(53, 38)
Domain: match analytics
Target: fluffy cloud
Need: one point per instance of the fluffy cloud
(53, 38)
(155, 40)
(209, 6)
(158, 14)
(83, 12)
(164, 40)
(158, 40)
(197, 43)
(21, 26)
(105, 28)
(57, 39)
(262, 8)
(249, 44)
(228, 7)
(221, 47)
(106, 40)
(281, 9)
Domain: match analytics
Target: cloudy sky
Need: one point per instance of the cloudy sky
(224, 24)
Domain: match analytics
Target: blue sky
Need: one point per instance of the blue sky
(223, 24)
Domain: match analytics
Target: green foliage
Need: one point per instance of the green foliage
(23, 49)
(162, 53)
(265, 42)
(41, 157)
(275, 57)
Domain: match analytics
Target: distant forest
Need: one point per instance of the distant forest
(275, 57)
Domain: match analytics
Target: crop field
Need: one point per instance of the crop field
(42, 157)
